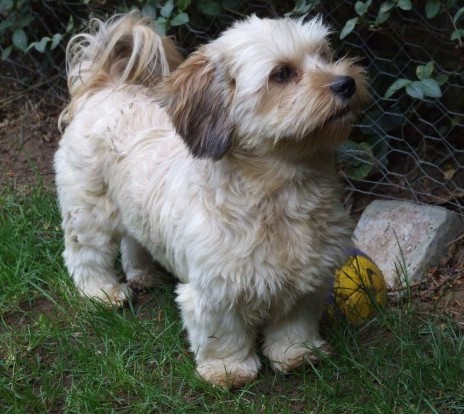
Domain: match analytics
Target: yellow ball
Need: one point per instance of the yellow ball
(359, 288)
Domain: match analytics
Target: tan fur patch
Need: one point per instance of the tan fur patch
(173, 55)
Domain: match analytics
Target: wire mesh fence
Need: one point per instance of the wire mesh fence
(404, 146)
(415, 146)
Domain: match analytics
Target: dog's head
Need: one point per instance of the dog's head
(264, 84)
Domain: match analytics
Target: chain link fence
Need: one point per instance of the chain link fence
(404, 147)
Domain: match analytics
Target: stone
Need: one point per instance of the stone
(404, 238)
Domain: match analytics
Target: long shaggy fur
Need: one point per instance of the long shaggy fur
(220, 170)
(120, 51)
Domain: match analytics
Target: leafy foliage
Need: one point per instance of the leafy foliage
(432, 9)
(34, 32)
(38, 25)
(422, 80)
(426, 85)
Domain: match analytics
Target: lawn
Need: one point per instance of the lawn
(60, 353)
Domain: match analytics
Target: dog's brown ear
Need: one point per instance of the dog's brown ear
(195, 97)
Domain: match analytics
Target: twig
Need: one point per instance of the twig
(455, 240)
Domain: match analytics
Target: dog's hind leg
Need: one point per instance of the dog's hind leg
(90, 225)
(141, 272)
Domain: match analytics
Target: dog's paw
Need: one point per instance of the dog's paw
(116, 294)
(297, 355)
(227, 374)
(142, 280)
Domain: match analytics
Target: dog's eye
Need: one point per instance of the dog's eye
(326, 55)
(283, 74)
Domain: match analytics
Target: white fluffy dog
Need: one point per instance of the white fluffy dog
(221, 170)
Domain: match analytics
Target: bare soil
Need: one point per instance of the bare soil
(28, 136)
(28, 140)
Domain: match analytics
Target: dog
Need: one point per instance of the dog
(221, 170)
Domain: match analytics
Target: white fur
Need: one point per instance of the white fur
(254, 237)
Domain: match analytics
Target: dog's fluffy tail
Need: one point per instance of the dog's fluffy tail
(122, 51)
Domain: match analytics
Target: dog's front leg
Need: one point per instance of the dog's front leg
(219, 337)
(292, 338)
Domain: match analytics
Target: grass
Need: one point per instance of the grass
(59, 353)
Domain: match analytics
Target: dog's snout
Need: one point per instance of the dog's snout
(343, 86)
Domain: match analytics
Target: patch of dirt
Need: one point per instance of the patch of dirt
(28, 134)
(29, 137)
(442, 290)
(28, 312)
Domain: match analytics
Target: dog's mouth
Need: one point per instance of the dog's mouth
(339, 114)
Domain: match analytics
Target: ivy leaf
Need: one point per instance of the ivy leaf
(6, 6)
(361, 8)
(40, 46)
(360, 171)
(301, 7)
(356, 159)
(210, 8)
(56, 39)
(425, 71)
(160, 25)
(230, 4)
(6, 52)
(458, 15)
(414, 90)
(457, 34)
(382, 17)
(179, 19)
(25, 21)
(349, 26)
(432, 7)
(405, 4)
(396, 86)
(183, 4)
(441, 79)
(167, 9)
(149, 11)
(5, 25)
(70, 24)
(386, 7)
(431, 88)
(20, 39)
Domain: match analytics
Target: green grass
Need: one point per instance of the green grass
(59, 353)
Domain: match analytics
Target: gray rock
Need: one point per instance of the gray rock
(404, 238)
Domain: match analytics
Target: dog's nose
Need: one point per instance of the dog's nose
(343, 86)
